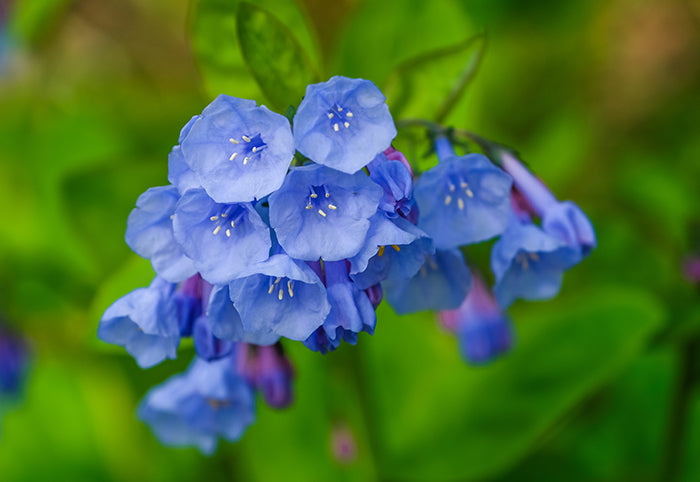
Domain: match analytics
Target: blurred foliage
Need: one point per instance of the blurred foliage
(595, 95)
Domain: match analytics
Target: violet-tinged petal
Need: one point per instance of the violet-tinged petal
(226, 321)
(240, 152)
(567, 222)
(274, 376)
(397, 184)
(221, 239)
(323, 213)
(343, 123)
(208, 346)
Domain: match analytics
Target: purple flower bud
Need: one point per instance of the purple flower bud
(273, 376)
(14, 355)
(483, 330)
(375, 295)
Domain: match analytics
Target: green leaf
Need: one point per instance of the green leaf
(430, 85)
(32, 21)
(278, 63)
(441, 420)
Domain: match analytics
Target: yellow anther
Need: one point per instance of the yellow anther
(320, 211)
(463, 184)
(233, 140)
(340, 109)
(289, 289)
(278, 280)
(332, 206)
(272, 288)
(233, 156)
(245, 138)
(349, 114)
(216, 230)
(396, 248)
(448, 200)
(314, 195)
(346, 124)
(224, 215)
(233, 224)
(213, 218)
(452, 187)
(381, 251)
(308, 206)
(469, 193)
(228, 233)
(330, 115)
(336, 128)
(280, 295)
(460, 203)
(245, 161)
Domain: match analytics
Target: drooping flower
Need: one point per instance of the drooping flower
(396, 182)
(280, 296)
(343, 123)
(226, 322)
(484, 331)
(149, 233)
(563, 220)
(240, 152)
(528, 263)
(145, 322)
(351, 312)
(273, 375)
(323, 213)
(441, 283)
(211, 400)
(463, 200)
(221, 239)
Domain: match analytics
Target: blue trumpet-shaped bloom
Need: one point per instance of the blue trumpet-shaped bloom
(240, 152)
(280, 296)
(145, 322)
(211, 400)
(226, 322)
(484, 331)
(441, 283)
(221, 239)
(528, 263)
(179, 173)
(149, 232)
(343, 123)
(396, 182)
(323, 213)
(351, 311)
(463, 200)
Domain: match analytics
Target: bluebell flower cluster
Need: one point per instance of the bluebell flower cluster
(270, 230)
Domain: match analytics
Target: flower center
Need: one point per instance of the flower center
(279, 285)
(228, 218)
(457, 187)
(524, 258)
(339, 117)
(247, 148)
(319, 199)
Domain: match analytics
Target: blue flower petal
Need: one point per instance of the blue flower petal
(241, 152)
(463, 200)
(149, 232)
(226, 322)
(396, 182)
(145, 322)
(208, 346)
(195, 408)
(322, 213)
(567, 222)
(343, 123)
(281, 296)
(221, 239)
(441, 283)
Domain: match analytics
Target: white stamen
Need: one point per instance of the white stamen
(280, 295)
(224, 215)
(463, 184)
(452, 187)
(332, 206)
(470, 193)
(233, 156)
(460, 203)
(272, 288)
(448, 200)
(320, 211)
(216, 230)
(228, 233)
(245, 138)
(314, 195)
(330, 115)
(255, 149)
(289, 288)
(245, 161)
(346, 124)
(340, 109)
(349, 114)
(278, 280)
(336, 128)
(233, 224)
(213, 218)
(233, 140)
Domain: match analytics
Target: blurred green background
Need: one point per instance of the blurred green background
(602, 99)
